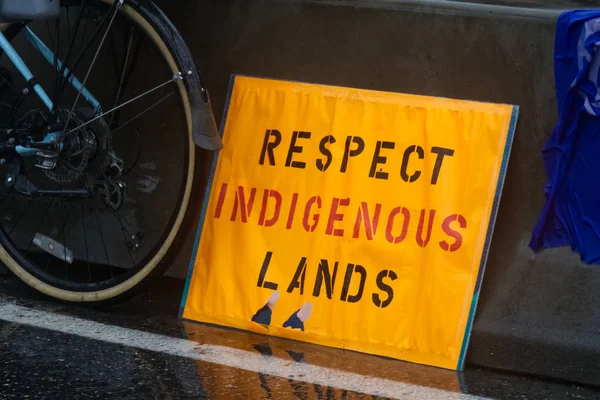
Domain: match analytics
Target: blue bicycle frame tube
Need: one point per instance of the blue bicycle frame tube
(29, 151)
(49, 56)
(20, 65)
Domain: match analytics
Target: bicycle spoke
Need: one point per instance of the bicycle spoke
(113, 50)
(9, 106)
(143, 112)
(50, 34)
(132, 66)
(103, 244)
(64, 241)
(173, 79)
(87, 75)
(37, 229)
(85, 6)
(9, 85)
(85, 25)
(20, 218)
(127, 73)
(68, 25)
(125, 236)
(71, 37)
(120, 87)
(88, 43)
(133, 228)
(137, 156)
(87, 255)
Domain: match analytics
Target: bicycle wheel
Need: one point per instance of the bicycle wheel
(90, 212)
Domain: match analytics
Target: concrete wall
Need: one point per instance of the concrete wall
(536, 314)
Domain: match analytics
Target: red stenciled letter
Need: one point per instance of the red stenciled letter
(420, 241)
(263, 210)
(309, 203)
(240, 202)
(458, 240)
(390, 225)
(290, 219)
(334, 216)
(219, 207)
(370, 224)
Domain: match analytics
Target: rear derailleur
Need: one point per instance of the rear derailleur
(109, 187)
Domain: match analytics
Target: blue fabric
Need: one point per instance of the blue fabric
(263, 316)
(571, 155)
(294, 322)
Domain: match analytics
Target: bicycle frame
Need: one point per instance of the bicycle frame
(18, 62)
(49, 56)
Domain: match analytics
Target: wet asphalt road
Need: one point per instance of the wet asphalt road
(67, 354)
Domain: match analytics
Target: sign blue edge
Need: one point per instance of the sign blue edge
(490, 232)
(207, 193)
(486, 248)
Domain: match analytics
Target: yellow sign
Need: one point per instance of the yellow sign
(350, 218)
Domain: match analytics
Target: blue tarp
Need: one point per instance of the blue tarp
(571, 216)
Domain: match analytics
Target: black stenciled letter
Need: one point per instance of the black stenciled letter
(263, 273)
(377, 159)
(323, 274)
(296, 149)
(298, 281)
(385, 287)
(348, 279)
(441, 153)
(360, 146)
(326, 152)
(409, 150)
(268, 146)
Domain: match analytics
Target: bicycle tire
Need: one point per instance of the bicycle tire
(158, 27)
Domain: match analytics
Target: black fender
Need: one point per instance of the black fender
(204, 127)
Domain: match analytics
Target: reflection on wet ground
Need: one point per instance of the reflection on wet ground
(48, 363)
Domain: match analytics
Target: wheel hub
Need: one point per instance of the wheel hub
(86, 150)
(83, 155)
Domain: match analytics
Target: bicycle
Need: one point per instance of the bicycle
(97, 155)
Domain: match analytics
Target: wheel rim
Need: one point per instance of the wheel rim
(82, 291)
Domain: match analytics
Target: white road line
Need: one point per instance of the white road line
(230, 357)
